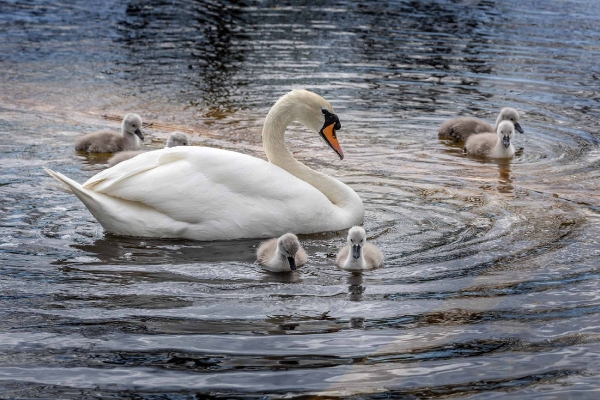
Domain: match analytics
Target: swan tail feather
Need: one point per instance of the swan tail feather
(67, 183)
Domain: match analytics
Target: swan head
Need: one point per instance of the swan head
(177, 139)
(132, 124)
(506, 132)
(314, 112)
(510, 114)
(357, 237)
(288, 245)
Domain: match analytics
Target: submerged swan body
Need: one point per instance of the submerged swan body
(460, 129)
(493, 145)
(112, 142)
(204, 193)
(358, 255)
(282, 254)
(175, 139)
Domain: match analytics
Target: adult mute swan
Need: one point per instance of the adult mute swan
(112, 142)
(460, 129)
(175, 139)
(358, 255)
(493, 145)
(203, 193)
(281, 254)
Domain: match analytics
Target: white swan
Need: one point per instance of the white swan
(175, 139)
(363, 255)
(460, 129)
(211, 194)
(281, 254)
(493, 145)
(112, 142)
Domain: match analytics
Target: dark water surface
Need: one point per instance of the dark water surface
(490, 285)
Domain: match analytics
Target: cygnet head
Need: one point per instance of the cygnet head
(132, 124)
(510, 114)
(314, 112)
(357, 237)
(288, 246)
(177, 139)
(506, 132)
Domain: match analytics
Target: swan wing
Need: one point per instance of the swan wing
(217, 194)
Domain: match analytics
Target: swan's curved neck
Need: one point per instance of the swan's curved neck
(279, 117)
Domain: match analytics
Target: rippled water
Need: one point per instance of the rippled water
(490, 282)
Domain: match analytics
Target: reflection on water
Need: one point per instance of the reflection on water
(489, 285)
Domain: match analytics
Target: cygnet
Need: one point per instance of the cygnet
(112, 142)
(281, 254)
(358, 255)
(493, 145)
(175, 139)
(460, 129)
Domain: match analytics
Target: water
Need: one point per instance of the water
(489, 288)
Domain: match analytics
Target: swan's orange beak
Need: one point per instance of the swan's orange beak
(328, 133)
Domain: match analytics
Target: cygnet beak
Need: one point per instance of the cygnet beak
(292, 262)
(138, 133)
(356, 252)
(518, 128)
(506, 141)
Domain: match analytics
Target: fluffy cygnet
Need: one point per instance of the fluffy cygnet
(175, 139)
(122, 156)
(358, 254)
(281, 254)
(460, 129)
(493, 145)
(112, 142)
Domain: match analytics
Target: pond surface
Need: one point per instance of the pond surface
(490, 284)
